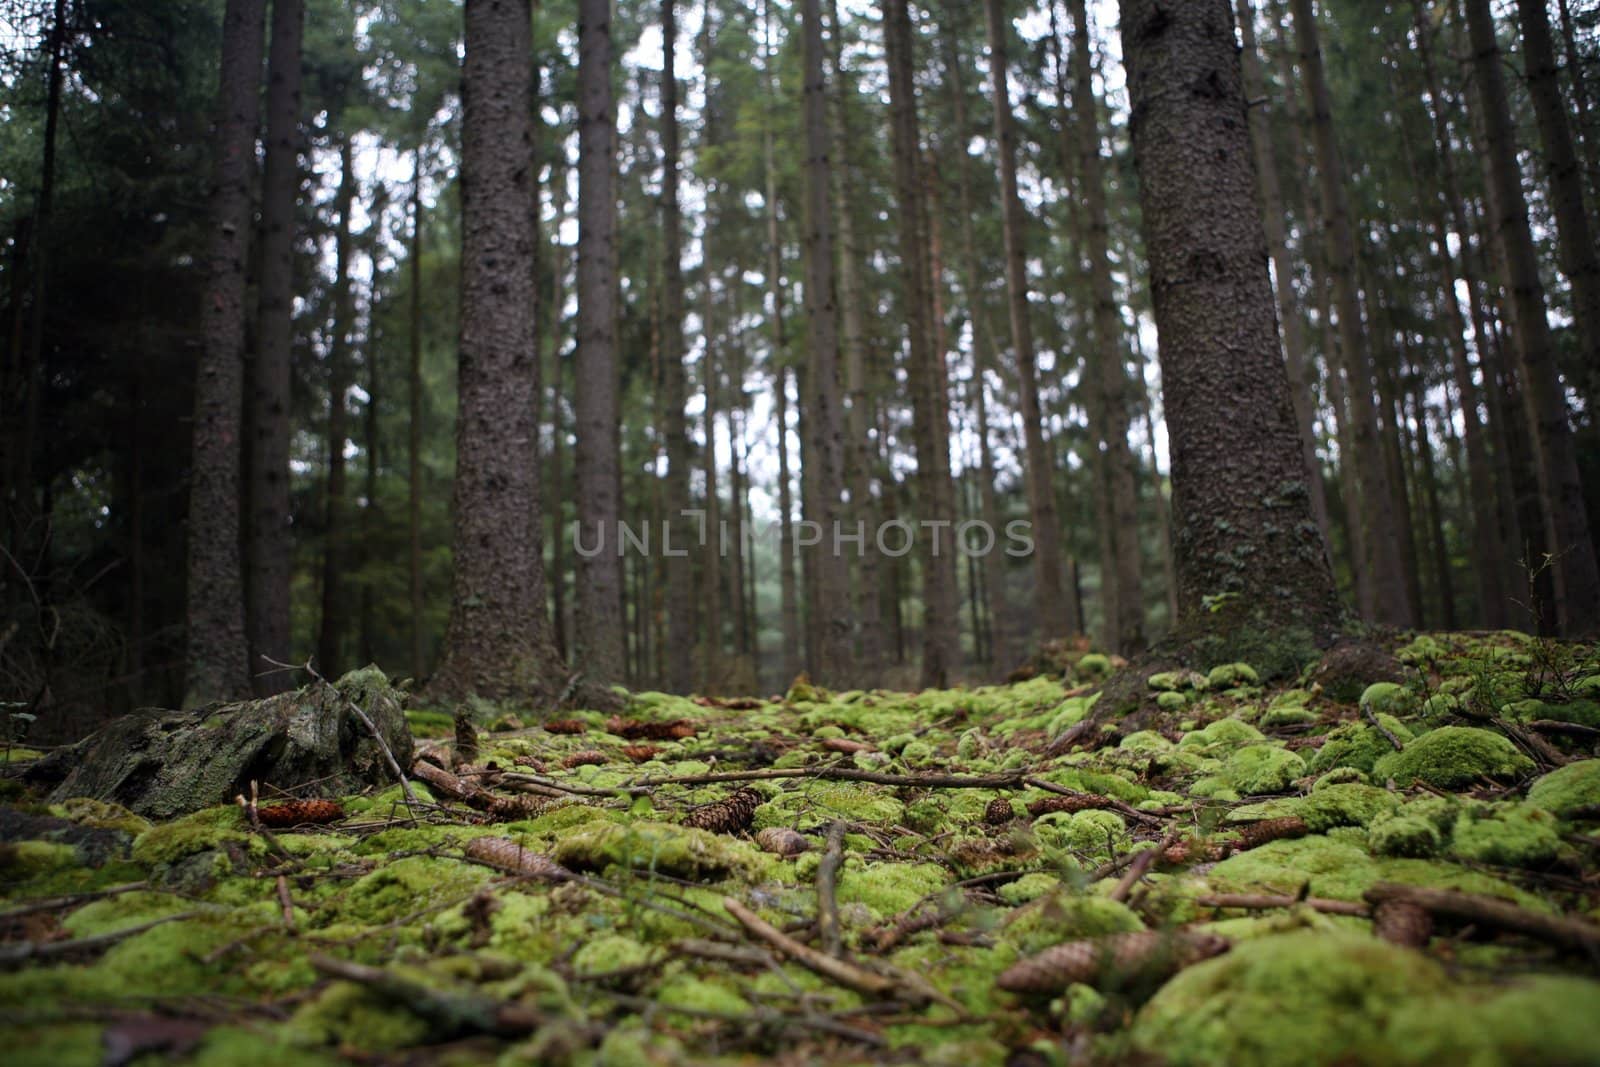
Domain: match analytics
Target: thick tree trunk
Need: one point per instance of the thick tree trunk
(1380, 534)
(217, 654)
(1572, 552)
(498, 640)
(598, 641)
(1116, 404)
(836, 655)
(675, 498)
(270, 543)
(941, 647)
(1575, 237)
(1050, 605)
(335, 554)
(1302, 372)
(1226, 389)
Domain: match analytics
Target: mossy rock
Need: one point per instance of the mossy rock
(1262, 769)
(1452, 757)
(1405, 835)
(1517, 835)
(1567, 789)
(1221, 736)
(1064, 915)
(679, 851)
(1358, 745)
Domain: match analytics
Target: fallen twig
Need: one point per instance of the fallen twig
(846, 974)
(54, 903)
(827, 900)
(452, 1013)
(835, 773)
(27, 951)
(1263, 901)
(1556, 930)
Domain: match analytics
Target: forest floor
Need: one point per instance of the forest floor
(1390, 859)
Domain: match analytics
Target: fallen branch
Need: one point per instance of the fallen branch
(55, 903)
(28, 951)
(1141, 864)
(834, 773)
(1556, 930)
(1264, 901)
(1372, 716)
(827, 899)
(451, 1013)
(846, 974)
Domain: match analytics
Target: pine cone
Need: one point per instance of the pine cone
(1079, 802)
(637, 730)
(511, 809)
(728, 816)
(1403, 923)
(999, 812)
(585, 758)
(466, 737)
(846, 745)
(1147, 953)
(298, 812)
(641, 753)
(506, 854)
(1259, 833)
(782, 841)
(565, 726)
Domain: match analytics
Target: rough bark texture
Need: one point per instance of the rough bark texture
(1380, 540)
(335, 616)
(1302, 373)
(163, 764)
(497, 642)
(835, 661)
(270, 544)
(1242, 512)
(1116, 403)
(1050, 606)
(941, 646)
(414, 425)
(1577, 580)
(680, 571)
(597, 648)
(218, 654)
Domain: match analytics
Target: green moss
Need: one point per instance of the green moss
(22, 861)
(1538, 1019)
(349, 1014)
(1451, 757)
(1292, 715)
(1063, 915)
(238, 1046)
(1566, 789)
(403, 886)
(1170, 701)
(1231, 676)
(200, 832)
(122, 911)
(1028, 887)
(1145, 741)
(1094, 834)
(813, 806)
(1404, 835)
(887, 889)
(101, 815)
(1346, 804)
(1358, 745)
(1301, 998)
(701, 994)
(610, 953)
(1388, 698)
(56, 1045)
(1262, 769)
(679, 851)
(1330, 868)
(1511, 835)
(1093, 665)
(1222, 736)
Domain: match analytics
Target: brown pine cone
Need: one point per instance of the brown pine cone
(466, 737)
(523, 806)
(1147, 953)
(1080, 802)
(1256, 834)
(585, 758)
(1403, 923)
(999, 812)
(565, 726)
(299, 812)
(728, 816)
(637, 730)
(846, 745)
(783, 841)
(506, 854)
(641, 753)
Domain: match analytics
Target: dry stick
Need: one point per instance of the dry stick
(1141, 863)
(288, 903)
(1558, 931)
(1382, 729)
(452, 1012)
(536, 782)
(827, 899)
(846, 974)
(835, 773)
(55, 903)
(1571, 729)
(1262, 901)
(26, 951)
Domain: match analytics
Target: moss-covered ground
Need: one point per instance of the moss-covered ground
(386, 937)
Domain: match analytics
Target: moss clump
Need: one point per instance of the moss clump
(609, 954)
(1062, 915)
(1404, 835)
(1290, 715)
(1302, 998)
(23, 861)
(1358, 745)
(1221, 736)
(398, 888)
(1452, 757)
(1514, 836)
(1567, 789)
(1169, 701)
(1344, 804)
(815, 806)
(1094, 834)
(1093, 665)
(1539, 1019)
(1028, 887)
(886, 889)
(1388, 698)
(1330, 868)
(699, 994)
(1262, 769)
(1145, 741)
(349, 1014)
(1231, 676)
(201, 832)
(679, 851)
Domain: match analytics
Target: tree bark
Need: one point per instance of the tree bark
(1571, 550)
(217, 653)
(598, 641)
(335, 555)
(414, 424)
(271, 546)
(1226, 389)
(941, 646)
(498, 643)
(1050, 605)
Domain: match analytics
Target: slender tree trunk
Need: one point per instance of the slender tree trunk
(598, 646)
(1227, 392)
(370, 518)
(680, 571)
(1583, 103)
(1050, 606)
(559, 489)
(498, 640)
(1116, 406)
(1003, 653)
(941, 646)
(336, 552)
(1572, 553)
(217, 654)
(1380, 536)
(711, 548)
(1302, 373)
(788, 591)
(414, 425)
(1575, 238)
